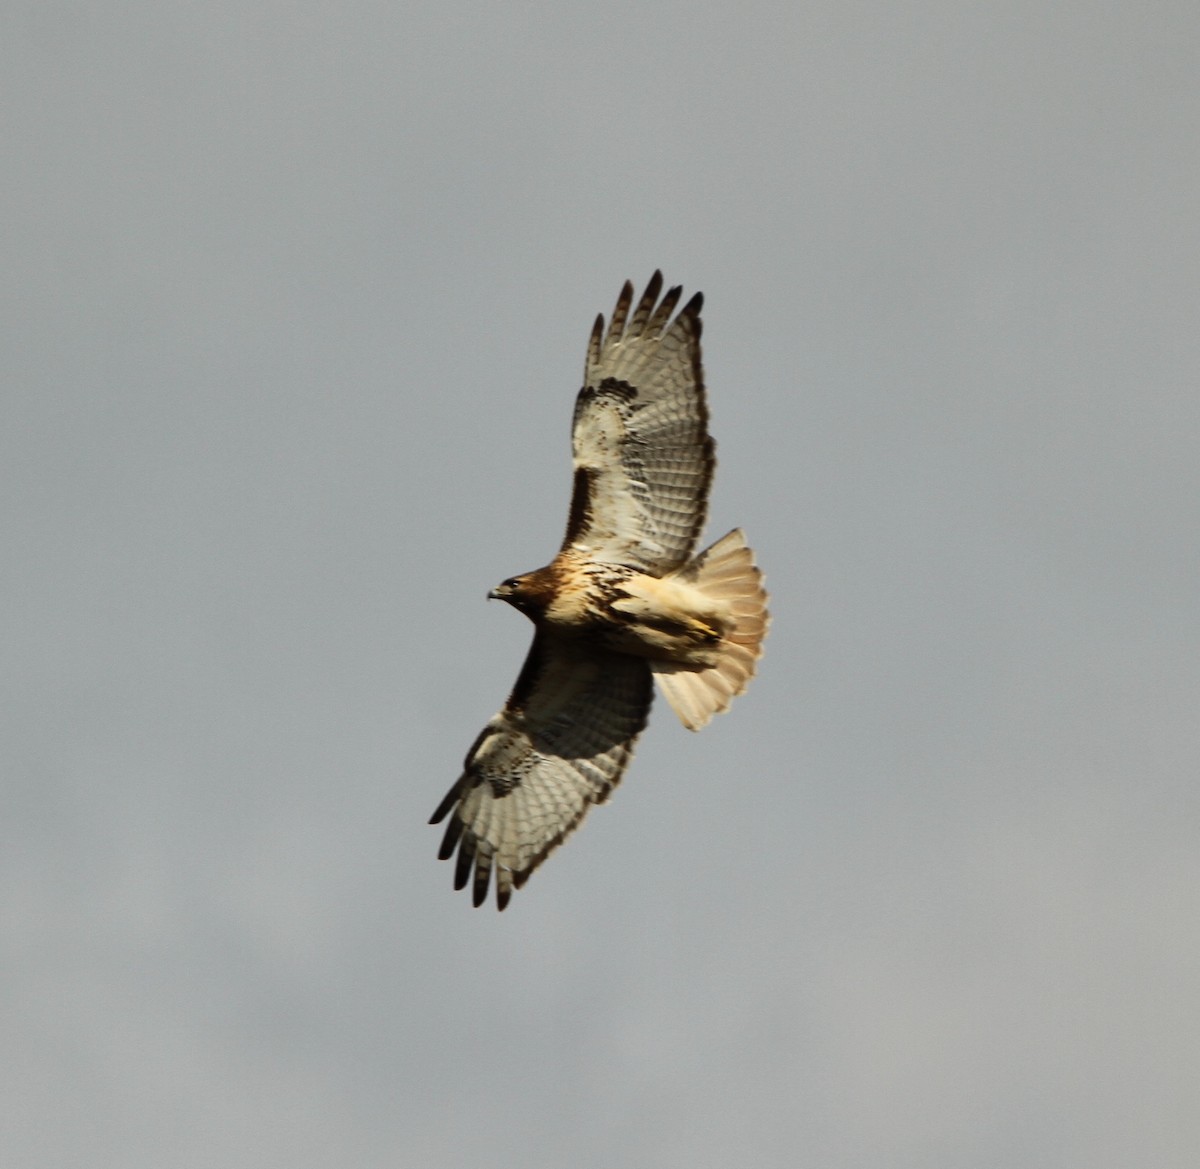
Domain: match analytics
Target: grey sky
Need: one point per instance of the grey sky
(296, 300)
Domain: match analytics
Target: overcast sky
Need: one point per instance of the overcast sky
(295, 306)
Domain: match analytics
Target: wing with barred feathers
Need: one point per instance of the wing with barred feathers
(643, 456)
(560, 745)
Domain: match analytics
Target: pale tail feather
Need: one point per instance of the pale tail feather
(727, 573)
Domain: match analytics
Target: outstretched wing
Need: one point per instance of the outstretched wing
(643, 456)
(560, 745)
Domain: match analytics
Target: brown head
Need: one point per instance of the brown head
(531, 592)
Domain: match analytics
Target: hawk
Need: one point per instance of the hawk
(624, 602)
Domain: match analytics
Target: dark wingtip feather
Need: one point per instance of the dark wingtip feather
(451, 798)
(658, 322)
(479, 891)
(594, 343)
(450, 839)
(616, 327)
(462, 866)
(653, 288)
(641, 314)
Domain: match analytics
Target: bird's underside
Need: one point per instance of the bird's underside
(622, 602)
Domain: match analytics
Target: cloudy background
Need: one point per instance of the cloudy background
(295, 303)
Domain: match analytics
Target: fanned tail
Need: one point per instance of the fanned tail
(726, 572)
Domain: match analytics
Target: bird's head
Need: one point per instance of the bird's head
(507, 590)
(531, 592)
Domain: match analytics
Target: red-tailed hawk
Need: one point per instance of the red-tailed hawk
(623, 602)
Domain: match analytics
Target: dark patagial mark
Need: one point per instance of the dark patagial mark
(527, 679)
(581, 503)
(614, 387)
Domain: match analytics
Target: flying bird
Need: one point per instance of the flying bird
(624, 602)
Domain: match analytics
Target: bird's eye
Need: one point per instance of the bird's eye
(511, 583)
